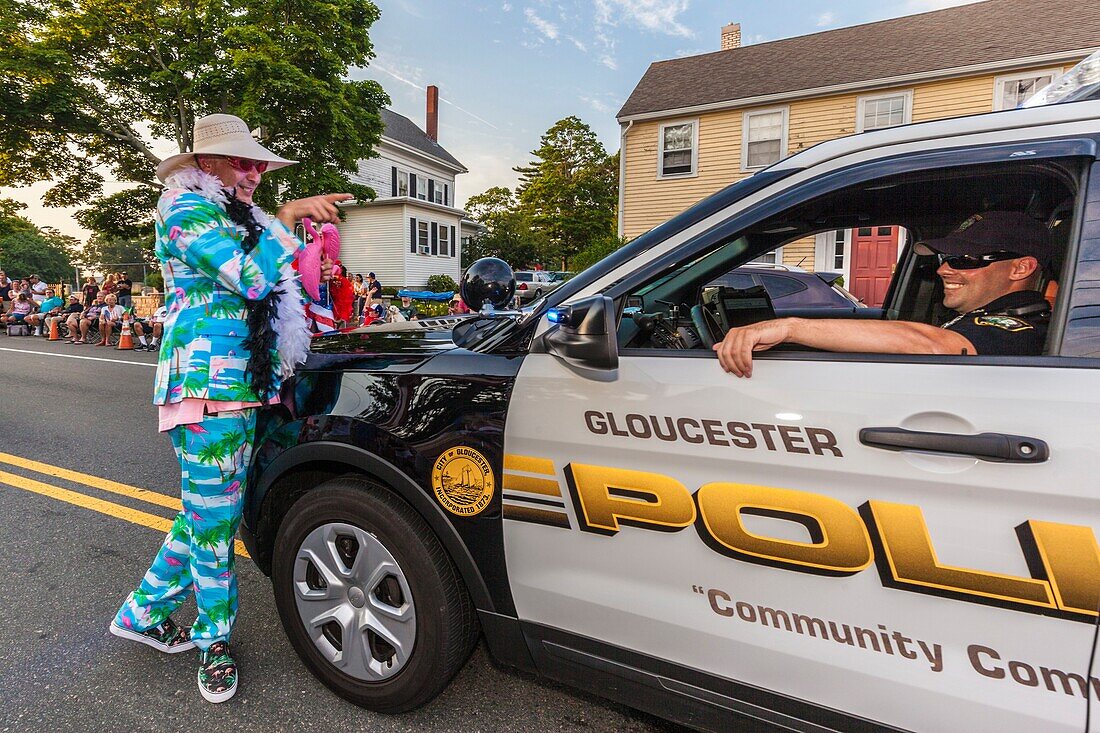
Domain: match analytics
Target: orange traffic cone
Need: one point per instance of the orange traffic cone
(126, 339)
(55, 335)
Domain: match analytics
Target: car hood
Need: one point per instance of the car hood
(380, 347)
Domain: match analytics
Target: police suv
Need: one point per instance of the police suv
(845, 541)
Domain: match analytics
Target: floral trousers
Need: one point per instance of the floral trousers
(197, 555)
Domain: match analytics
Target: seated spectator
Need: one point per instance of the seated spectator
(90, 290)
(74, 308)
(110, 317)
(457, 307)
(407, 308)
(78, 326)
(376, 312)
(153, 325)
(38, 288)
(21, 307)
(51, 306)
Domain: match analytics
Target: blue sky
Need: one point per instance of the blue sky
(508, 69)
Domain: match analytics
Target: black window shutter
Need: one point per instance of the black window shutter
(435, 238)
(412, 185)
(412, 235)
(431, 189)
(452, 241)
(393, 180)
(447, 196)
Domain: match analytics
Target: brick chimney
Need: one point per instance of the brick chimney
(731, 36)
(433, 113)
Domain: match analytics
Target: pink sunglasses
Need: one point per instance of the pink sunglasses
(244, 165)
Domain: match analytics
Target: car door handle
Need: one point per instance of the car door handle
(997, 447)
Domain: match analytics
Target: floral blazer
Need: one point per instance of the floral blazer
(207, 279)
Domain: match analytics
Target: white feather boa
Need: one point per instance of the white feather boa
(290, 322)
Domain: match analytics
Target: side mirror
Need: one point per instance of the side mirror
(585, 336)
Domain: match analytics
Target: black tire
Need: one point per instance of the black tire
(446, 626)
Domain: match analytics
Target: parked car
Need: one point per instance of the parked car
(794, 291)
(533, 284)
(845, 541)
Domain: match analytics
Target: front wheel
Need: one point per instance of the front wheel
(369, 598)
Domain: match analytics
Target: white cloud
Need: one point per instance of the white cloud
(682, 52)
(544, 27)
(609, 62)
(657, 16)
(580, 46)
(506, 7)
(605, 104)
(754, 38)
(410, 8)
(404, 72)
(826, 19)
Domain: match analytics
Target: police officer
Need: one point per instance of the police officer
(990, 266)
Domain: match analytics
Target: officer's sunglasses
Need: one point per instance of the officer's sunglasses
(244, 165)
(974, 262)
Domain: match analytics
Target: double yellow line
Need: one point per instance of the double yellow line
(109, 508)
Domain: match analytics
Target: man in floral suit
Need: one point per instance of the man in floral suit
(235, 327)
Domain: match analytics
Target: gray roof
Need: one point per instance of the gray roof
(405, 131)
(984, 32)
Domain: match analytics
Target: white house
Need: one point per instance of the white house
(413, 229)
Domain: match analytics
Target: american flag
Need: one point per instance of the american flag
(320, 311)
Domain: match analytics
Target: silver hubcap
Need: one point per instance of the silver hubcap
(354, 602)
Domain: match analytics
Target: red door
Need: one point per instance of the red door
(874, 255)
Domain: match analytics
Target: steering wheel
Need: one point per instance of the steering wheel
(699, 320)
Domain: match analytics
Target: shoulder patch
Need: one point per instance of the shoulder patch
(1006, 323)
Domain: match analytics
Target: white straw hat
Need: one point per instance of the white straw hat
(221, 135)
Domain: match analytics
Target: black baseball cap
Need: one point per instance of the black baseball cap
(995, 231)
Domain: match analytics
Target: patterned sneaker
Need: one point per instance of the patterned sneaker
(217, 673)
(167, 637)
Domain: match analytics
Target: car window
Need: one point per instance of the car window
(780, 286)
(693, 305)
(525, 277)
(738, 279)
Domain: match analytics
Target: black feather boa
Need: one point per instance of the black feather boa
(261, 313)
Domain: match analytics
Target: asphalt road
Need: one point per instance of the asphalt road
(65, 568)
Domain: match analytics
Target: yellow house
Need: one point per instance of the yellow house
(694, 125)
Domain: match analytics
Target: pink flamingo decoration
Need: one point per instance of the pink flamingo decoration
(196, 428)
(330, 241)
(309, 261)
(232, 487)
(174, 562)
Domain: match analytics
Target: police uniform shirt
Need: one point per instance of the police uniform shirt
(1012, 325)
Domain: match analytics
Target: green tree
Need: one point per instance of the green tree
(570, 190)
(596, 251)
(44, 252)
(99, 253)
(509, 234)
(90, 86)
(11, 221)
